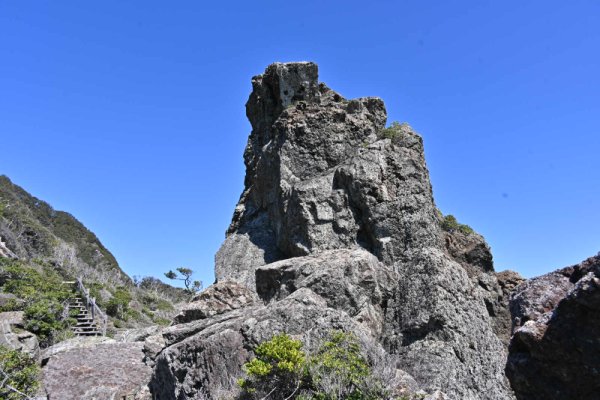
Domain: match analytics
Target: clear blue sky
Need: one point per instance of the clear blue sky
(130, 115)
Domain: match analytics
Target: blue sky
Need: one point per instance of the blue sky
(130, 115)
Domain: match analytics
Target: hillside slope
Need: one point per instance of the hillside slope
(41, 247)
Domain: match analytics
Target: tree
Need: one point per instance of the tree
(186, 277)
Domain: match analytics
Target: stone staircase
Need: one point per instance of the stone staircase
(85, 321)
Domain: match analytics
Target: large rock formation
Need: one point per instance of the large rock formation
(555, 349)
(337, 229)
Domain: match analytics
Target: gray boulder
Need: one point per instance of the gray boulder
(204, 357)
(555, 349)
(13, 336)
(216, 299)
(100, 371)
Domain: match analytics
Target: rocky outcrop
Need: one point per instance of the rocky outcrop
(555, 349)
(471, 251)
(216, 299)
(13, 335)
(5, 251)
(337, 229)
(95, 371)
(204, 357)
(508, 282)
(353, 281)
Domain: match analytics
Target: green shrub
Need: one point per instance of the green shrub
(43, 297)
(279, 366)
(118, 305)
(336, 371)
(394, 132)
(20, 372)
(161, 321)
(339, 371)
(450, 224)
(44, 319)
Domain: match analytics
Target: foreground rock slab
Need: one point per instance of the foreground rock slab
(98, 371)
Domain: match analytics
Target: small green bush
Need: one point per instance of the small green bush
(161, 321)
(340, 371)
(337, 371)
(278, 366)
(450, 224)
(21, 373)
(43, 318)
(394, 132)
(118, 305)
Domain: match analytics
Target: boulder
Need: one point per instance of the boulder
(555, 349)
(101, 371)
(13, 336)
(205, 357)
(353, 281)
(216, 299)
(138, 334)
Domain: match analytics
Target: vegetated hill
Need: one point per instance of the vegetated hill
(40, 247)
(32, 229)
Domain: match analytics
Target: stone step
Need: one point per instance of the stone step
(84, 328)
(89, 333)
(84, 324)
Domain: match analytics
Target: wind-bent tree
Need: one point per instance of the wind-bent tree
(186, 277)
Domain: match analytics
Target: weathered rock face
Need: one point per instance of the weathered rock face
(216, 299)
(13, 336)
(204, 357)
(337, 229)
(97, 371)
(555, 350)
(503, 323)
(316, 180)
(470, 250)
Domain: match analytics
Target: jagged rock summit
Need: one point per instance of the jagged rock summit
(337, 229)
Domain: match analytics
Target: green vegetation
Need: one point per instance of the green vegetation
(42, 297)
(339, 371)
(18, 375)
(186, 277)
(40, 226)
(279, 366)
(118, 305)
(54, 247)
(395, 131)
(336, 371)
(450, 224)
